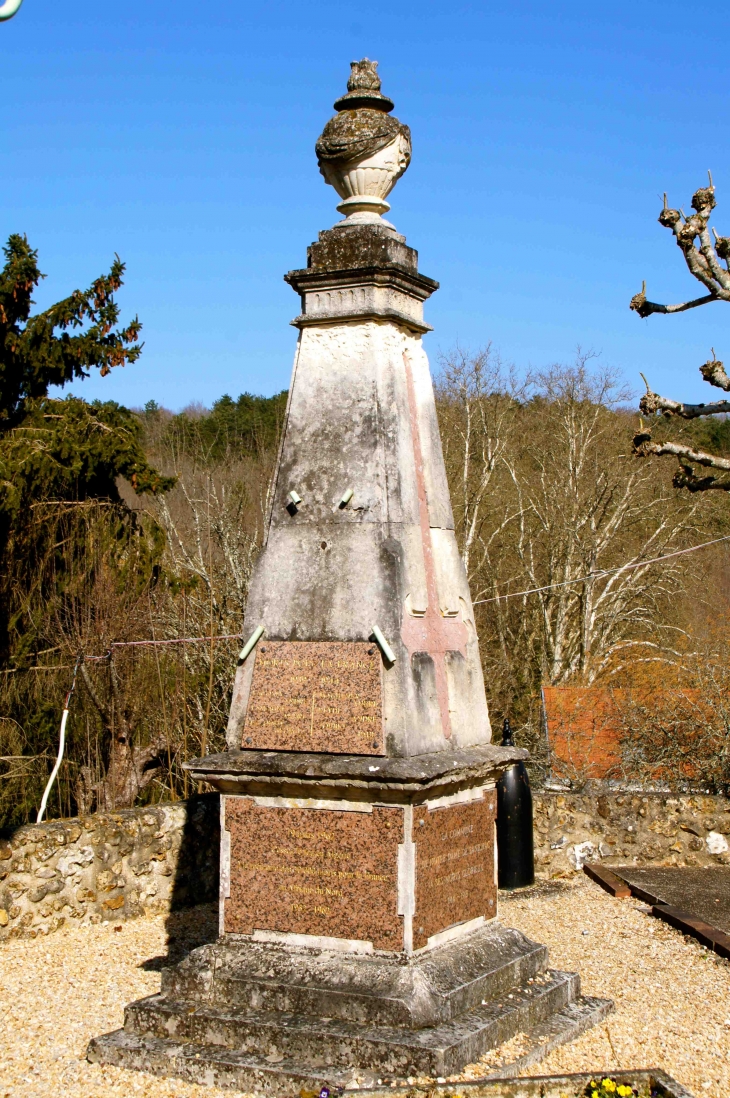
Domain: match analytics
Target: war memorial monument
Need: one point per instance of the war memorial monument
(358, 908)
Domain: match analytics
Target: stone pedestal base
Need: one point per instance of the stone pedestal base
(375, 876)
(359, 938)
(272, 1018)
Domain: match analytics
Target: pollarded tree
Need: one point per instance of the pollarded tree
(708, 261)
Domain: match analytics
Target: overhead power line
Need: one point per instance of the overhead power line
(127, 644)
(600, 573)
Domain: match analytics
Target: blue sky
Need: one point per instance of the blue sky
(181, 135)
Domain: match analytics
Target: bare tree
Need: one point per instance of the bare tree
(213, 520)
(707, 261)
(104, 601)
(589, 525)
(552, 511)
(132, 765)
(479, 401)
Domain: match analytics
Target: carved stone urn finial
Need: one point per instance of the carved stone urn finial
(363, 150)
(363, 89)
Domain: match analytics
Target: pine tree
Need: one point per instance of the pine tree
(55, 453)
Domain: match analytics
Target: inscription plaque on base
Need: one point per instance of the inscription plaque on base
(455, 879)
(316, 696)
(314, 871)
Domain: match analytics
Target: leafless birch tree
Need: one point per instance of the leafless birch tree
(479, 400)
(589, 525)
(548, 500)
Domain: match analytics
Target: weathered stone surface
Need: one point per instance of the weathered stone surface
(379, 989)
(109, 866)
(358, 247)
(276, 1077)
(357, 134)
(620, 828)
(390, 557)
(307, 1040)
(244, 1009)
(361, 151)
(405, 780)
(365, 293)
(364, 88)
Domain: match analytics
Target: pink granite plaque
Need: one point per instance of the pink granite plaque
(314, 871)
(454, 866)
(316, 696)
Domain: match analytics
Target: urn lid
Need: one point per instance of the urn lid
(363, 89)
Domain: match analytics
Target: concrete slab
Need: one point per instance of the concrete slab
(703, 892)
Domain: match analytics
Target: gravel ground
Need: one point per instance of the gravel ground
(672, 997)
(59, 991)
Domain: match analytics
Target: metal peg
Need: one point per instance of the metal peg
(251, 643)
(388, 653)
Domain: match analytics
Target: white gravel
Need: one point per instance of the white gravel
(58, 992)
(672, 998)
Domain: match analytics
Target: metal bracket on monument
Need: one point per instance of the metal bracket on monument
(251, 643)
(388, 653)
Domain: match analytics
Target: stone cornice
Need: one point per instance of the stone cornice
(392, 293)
(367, 777)
(307, 279)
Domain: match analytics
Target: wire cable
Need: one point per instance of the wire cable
(600, 573)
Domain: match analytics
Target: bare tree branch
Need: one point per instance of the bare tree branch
(652, 402)
(705, 264)
(644, 308)
(643, 446)
(714, 372)
(98, 703)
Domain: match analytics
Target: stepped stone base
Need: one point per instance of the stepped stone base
(273, 1018)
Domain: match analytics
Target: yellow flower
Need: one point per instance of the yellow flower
(624, 1091)
(608, 1085)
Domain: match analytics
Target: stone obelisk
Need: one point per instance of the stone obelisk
(358, 933)
(361, 533)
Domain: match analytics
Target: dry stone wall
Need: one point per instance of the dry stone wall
(628, 829)
(108, 866)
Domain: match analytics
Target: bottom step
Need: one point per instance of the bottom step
(559, 1029)
(222, 1067)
